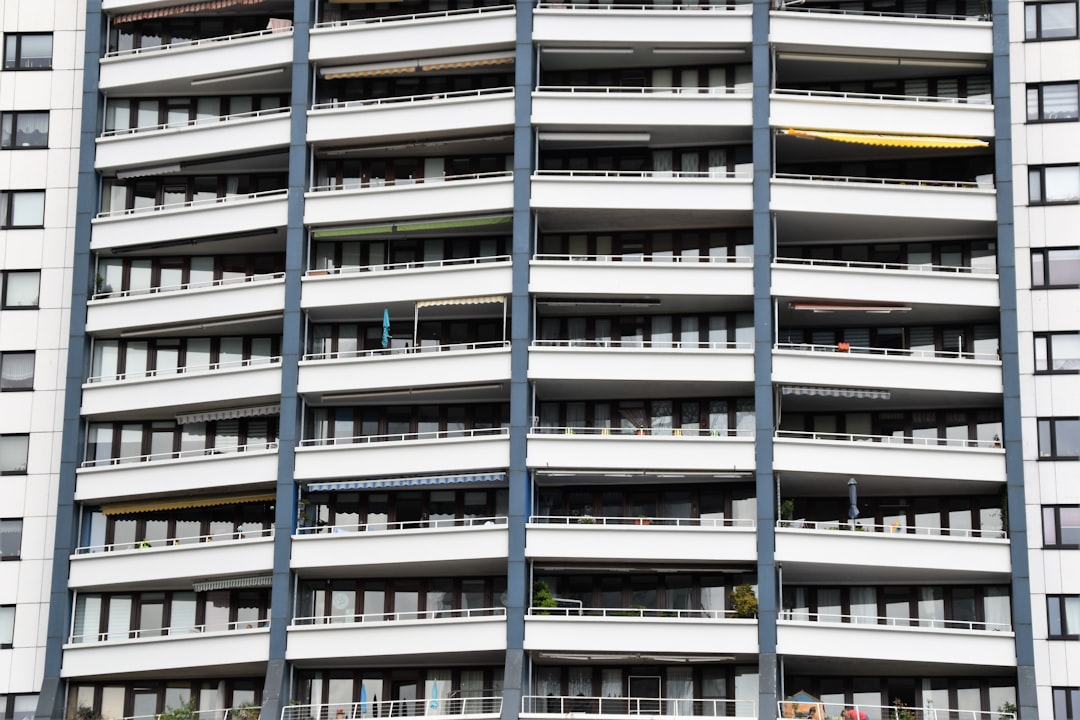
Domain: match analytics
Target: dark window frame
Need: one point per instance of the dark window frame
(6, 644)
(19, 62)
(1051, 424)
(1041, 259)
(20, 525)
(7, 202)
(11, 120)
(7, 354)
(1066, 702)
(1052, 513)
(5, 281)
(1039, 171)
(1036, 34)
(1048, 338)
(26, 458)
(1041, 114)
(1057, 628)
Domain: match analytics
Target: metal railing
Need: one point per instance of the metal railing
(654, 258)
(196, 42)
(244, 712)
(406, 99)
(174, 631)
(712, 433)
(889, 439)
(645, 521)
(412, 615)
(412, 350)
(180, 454)
(904, 622)
(895, 528)
(973, 100)
(188, 370)
(910, 267)
(667, 92)
(571, 705)
(453, 704)
(892, 352)
(414, 265)
(435, 524)
(949, 184)
(632, 612)
(203, 121)
(374, 183)
(647, 344)
(704, 7)
(649, 174)
(221, 282)
(405, 437)
(199, 203)
(856, 711)
(415, 16)
(240, 533)
(876, 13)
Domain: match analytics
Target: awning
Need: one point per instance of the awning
(141, 506)
(228, 414)
(413, 227)
(436, 64)
(185, 9)
(841, 392)
(466, 61)
(905, 141)
(401, 482)
(369, 70)
(478, 300)
(252, 581)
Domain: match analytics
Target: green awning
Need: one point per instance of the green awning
(362, 230)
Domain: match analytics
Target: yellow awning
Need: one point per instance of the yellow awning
(451, 62)
(141, 506)
(369, 70)
(466, 61)
(478, 300)
(905, 141)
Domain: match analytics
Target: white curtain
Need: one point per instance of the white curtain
(680, 691)
(17, 371)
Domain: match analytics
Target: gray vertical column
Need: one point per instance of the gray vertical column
(276, 685)
(1010, 369)
(765, 487)
(51, 699)
(517, 590)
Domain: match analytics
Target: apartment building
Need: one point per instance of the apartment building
(39, 131)
(446, 357)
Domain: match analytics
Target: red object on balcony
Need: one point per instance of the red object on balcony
(843, 347)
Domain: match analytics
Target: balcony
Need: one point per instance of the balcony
(623, 539)
(205, 387)
(241, 650)
(898, 369)
(708, 193)
(970, 644)
(878, 554)
(326, 291)
(945, 36)
(642, 107)
(242, 468)
(474, 634)
(426, 367)
(862, 112)
(426, 547)
(636, 630)
(705, 25)
(561, 275)
(649, 448)
(250, 296)
(405, 454)
(478, 112)
(477, 194)
(195, 220)
(472, 30)
(789, 708)
(173, 69)
(183, 561)
(542, 707)
(886, 456)
(884, 282)
(249, 132)
(469, 708)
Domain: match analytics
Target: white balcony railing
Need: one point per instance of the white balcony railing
(357, 184)
(417, 265)
(646, 344)
(574, 705)
(850, 619)
(452, 705)
(179, 454)
(847, 179)
(632, 612)
(621, 7)
(911, 267)
(793, 708)
(651, 174)
(459, 614)
(404, 437)
(656, 259)
(438, 524)
(187, 370)
(416, 16)
(848, 349)
(889, 439)
(199, 203)
(174, 631)
(176, 542)
(195, 43)
(644, 521)
(642, 431)
(896, 528)
(666, 91)
(164, 289)
(411, 99)
(197, 122)
(244, 712)
(973, 100)
(413, 350)
(815, 9)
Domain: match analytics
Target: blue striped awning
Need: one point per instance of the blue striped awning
(402, 482)
(822, 391)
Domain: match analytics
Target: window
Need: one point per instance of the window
(1057, 267)
(18, 707)
(24, 130)
(1048, 184)
(1057, 352)
(10, 538)
(19, 289)
(1061, 526)
(1052, 101)
(28, 51)
(1059, 438)
(7, 625)
(1050, 21)
(22, 208)
(1066, 703)
(16, 371)
(13, 451)
(1063, 615)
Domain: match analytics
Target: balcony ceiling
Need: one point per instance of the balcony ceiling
(834, 484)
(619, 55)
(839, 227)
(819, 667)
(792, 71)
(572, 220)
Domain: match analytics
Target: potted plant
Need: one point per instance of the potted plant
(542, 597)
(1006, 711)
(185, 711)
(85, 713)
(787, 510)
(743, 601)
